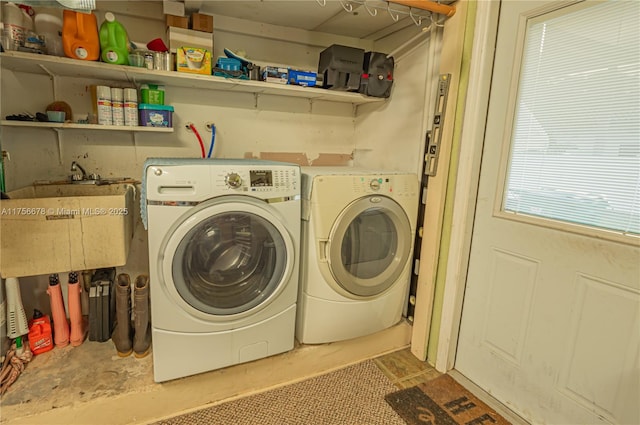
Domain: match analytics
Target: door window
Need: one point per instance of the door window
(229, 263)
(575, 154)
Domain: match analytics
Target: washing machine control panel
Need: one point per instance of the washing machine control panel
(233, 180)
(272, 181)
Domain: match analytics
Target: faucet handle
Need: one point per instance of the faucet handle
(76, 177)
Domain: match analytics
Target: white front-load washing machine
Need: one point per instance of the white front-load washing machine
(224, 238)
(357, 243)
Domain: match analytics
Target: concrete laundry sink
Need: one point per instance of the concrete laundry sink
(55, 228)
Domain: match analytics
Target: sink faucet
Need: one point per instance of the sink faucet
(84, 177)
(75, 167)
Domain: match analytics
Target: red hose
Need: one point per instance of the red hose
(193, 128)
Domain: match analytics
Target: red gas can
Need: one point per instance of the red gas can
(40, 336)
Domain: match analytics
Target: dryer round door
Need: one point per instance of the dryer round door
(369, 246)
(227, 258)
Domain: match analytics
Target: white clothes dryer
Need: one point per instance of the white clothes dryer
(357, 243)
(224, 239)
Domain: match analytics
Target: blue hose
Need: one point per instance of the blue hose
(213, 140)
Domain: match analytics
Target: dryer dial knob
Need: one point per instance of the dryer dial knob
(374, 184)
(233, 180)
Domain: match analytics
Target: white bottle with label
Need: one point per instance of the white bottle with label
(13, 32)
(117, 105)
(103, 105)
(130, 107)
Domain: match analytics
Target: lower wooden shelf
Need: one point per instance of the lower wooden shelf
(74, 126)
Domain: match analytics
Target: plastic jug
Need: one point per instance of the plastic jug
(80, 35)
(114, 41)
(13, 32)
(48, 24)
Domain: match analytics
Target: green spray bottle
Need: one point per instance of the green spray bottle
(114, 41)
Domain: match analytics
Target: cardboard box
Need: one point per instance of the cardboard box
(302, 78)
(193, 60)
(201, 22)
(173, 7)
(274, 74)
(180, 37)
(177, 21)
(54, 228)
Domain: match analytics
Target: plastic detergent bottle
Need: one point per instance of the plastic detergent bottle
(13, 30)
(114, 41)
(80, 35)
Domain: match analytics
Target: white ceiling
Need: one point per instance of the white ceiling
(312, 15)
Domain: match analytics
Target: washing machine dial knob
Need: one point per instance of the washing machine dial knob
(374, 184)
(233, 180)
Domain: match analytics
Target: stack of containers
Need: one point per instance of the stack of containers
(153, 111)
(115, 106)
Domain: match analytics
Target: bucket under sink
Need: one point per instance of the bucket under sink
(57, 228)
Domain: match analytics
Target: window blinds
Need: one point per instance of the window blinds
(575, 153)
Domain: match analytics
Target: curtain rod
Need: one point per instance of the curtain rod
(429, 5)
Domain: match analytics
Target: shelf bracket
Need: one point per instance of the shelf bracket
(135, 144)
(59, 137)
(256, 96)
(310, 106)
(54, 80)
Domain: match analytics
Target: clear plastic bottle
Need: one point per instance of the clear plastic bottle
(114, 41)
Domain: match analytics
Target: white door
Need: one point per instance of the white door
(551, 315)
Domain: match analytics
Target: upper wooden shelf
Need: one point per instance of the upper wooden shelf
(67, 67)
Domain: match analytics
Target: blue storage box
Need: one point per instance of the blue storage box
(302, 78)
(155, 115)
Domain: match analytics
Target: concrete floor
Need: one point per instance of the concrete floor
(90, 384)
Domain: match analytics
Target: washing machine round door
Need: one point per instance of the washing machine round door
(369, 245)
(228, 258)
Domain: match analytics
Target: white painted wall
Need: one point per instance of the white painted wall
(388, 135)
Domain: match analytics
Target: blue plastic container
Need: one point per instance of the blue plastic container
(229, 64)
(155, 115)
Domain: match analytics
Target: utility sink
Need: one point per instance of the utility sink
(57, 228)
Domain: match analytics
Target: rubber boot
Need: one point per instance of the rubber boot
(141, 317)
(121, 335)
(58, 313)
(78, 329)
